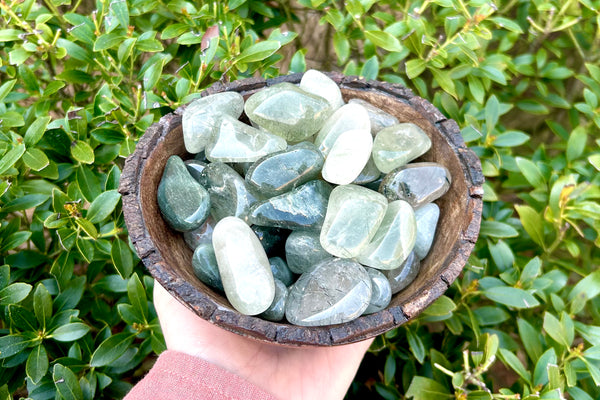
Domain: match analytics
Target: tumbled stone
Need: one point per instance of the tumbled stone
(281, 271)
(237, 142)
(272, 239)
(205, 266)
(319, 84)
(381, 291)
(201, 235)
(333, 292)
(417, 183)
(276, 310)
(375, 185)
(427, 217)
(369, 174)
(302, 208)
(243, 167)
(195, 167)
(348, 156)
(201, 119)
(353, 216)
(403, 276)
(348, 117)
(303, 251)
(394, 239)
(395, 146)
(288, 111)
(280, 172)
(378, 118)
(244, 267)
(229, 194)
(183, 202)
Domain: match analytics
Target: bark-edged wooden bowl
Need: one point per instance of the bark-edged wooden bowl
(167, 257)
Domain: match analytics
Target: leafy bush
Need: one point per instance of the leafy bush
(80, 83)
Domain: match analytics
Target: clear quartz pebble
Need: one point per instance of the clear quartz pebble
(276, 310)
(333, 292)
(244, 267)
(427, 219)
(319, 84)
(281, 270)
(395, 146)
(348, 117)
(202, 118)
(403, 276)
(348, 156)
(201, 235)
(394, 240)
(381, 291)
(205, 266)
(353, 216)
(379, 119)
(303, 250)
(417, 183)
(238, 142)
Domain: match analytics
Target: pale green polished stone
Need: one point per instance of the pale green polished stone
(319, 84)
(394, 240)
(280, 172)
(395, 146)
(201, 235)
(379, 119)
(417, 183)
(369, 174)
(403, 276)
(238, 142)
(302, 208)
(276, 310)
(288, 111)
(281, 270)
(381, 291)
(348, 156)
(348, 117)
(353, 216)
(244, 267)
(205, 266)
(427, 219)
(303, 251)
(202, 118)
(335, 291)
(183, 202)
(229, 193)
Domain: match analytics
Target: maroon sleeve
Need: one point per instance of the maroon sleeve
(177, 376)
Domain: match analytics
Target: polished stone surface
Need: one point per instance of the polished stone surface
(205, 266)
(281, 270)
(417, 183)
(302, 208)
(183, 202)
(369, 173)
(378, 118)
(353, 216)
(276, 310)
(244, 267)
(201, 235)
(195, 167)
(403, 276)
(288, 111)
(303, 251)
(319, 84)
(396, 145)
(333, 292)
(201, 119)
(229, 193)
(238, 142)
(381, 291)
(280, 172)
(348, 117)
(394, 239)
(427, 217)
(272, 239)
(348, 156)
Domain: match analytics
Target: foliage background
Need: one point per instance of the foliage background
(80, 81)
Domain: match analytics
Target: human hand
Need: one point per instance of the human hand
(286, 372)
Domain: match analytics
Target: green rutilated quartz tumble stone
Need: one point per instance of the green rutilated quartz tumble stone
(348, 156)
(288, 111)
(381, 291)
(281, 271)
(321, 85)
(378, 118)
(200, 235)
(205, 266)
(427, 219)
(183, 202)
(402, 276)
(276, 310)
(303, 251)
(396, 145)
(347, 118)
(417, 183)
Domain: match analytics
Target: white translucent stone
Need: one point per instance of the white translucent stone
(348, 157)
(397, 145)
(319, 84)
(427, 218)
(349, 116)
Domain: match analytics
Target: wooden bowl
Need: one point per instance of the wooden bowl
(167, 257)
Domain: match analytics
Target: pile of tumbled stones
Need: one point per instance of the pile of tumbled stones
(312, 213)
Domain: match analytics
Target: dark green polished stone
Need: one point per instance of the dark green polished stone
(276, 310)
(205, 266)
(381, 291)
(416, 183)
(281, 271)
(303, 251)
(195, 167)
(183, 202)
(272, 239)
(402, 276)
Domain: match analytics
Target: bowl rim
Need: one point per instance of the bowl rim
(362, 328)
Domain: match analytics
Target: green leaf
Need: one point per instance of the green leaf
(513, 362)
(88, 183)
(25, 203)
(533, 223)
(14, 293)
(137, 295)
(593, 370)
(103, 206)
(81, 151)
(18, 56)
(442, 78)
(540, 374)
(107, 41)
(14, 240)
(415, 68)
(492, 113)
(10, 35)
(384, 40)
(119, 7)
(37, 364)
(502, 255)
(86, 249)
(557, 330)
(531, 172)
(341, 45)
(70, 332)
(389, 369)
(422, 388)
(152, 74)
(298, 62)
(35, 159)
(442, 306)
(111, 349)
(588, 287)
(87, 227)
(507, 24)
(479, 395)
(121, 258)
(370, 69)
(66, 383)
(6, 88)
(258, 52)
(13, 344)
(576, 143)
(476, 88)
(10, 158)
(497, 229)
(511, 297)
(416, 345)
(511, 139)
(42, 305)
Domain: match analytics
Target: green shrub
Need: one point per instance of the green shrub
(80, 83)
